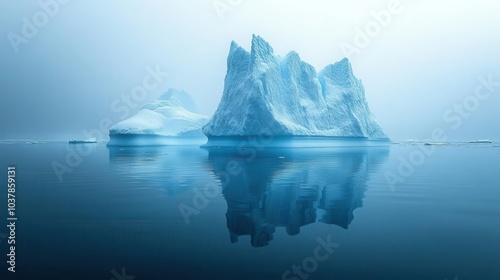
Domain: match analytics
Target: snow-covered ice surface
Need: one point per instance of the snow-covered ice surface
(265, 94)
(162, 122)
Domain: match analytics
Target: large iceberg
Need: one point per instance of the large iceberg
(268, 95)
(172, 119)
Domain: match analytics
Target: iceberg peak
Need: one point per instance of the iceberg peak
(234, 46)
(261, 46)
(261, 52)
(237, 57)
(339, 73)
(179, 98)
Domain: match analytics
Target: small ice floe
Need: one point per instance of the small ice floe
(85, 141)
(436, 144)
(485, 141)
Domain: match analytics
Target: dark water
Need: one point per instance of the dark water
(191, 213)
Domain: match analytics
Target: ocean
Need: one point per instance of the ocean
(405, 211)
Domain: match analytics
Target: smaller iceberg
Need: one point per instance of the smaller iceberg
(173, 119)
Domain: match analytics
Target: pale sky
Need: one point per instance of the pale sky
(85, 56)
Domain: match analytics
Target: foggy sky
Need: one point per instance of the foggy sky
(87, 57)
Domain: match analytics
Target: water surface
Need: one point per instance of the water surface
(193, 213)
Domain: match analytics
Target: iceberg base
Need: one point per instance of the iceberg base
(262, 141)
(138, 140)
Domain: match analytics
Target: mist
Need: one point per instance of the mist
(89, 64)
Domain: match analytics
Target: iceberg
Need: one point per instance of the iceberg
(173, 119)
(269, 95)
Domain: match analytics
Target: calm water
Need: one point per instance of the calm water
(192, 213)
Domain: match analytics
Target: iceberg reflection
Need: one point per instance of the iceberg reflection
(292, 188)
(174, 169)
(263, 188)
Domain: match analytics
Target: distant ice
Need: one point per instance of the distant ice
(486, 141)
(84, 141)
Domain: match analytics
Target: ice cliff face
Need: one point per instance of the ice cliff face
(268, 95)
(174, 114)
